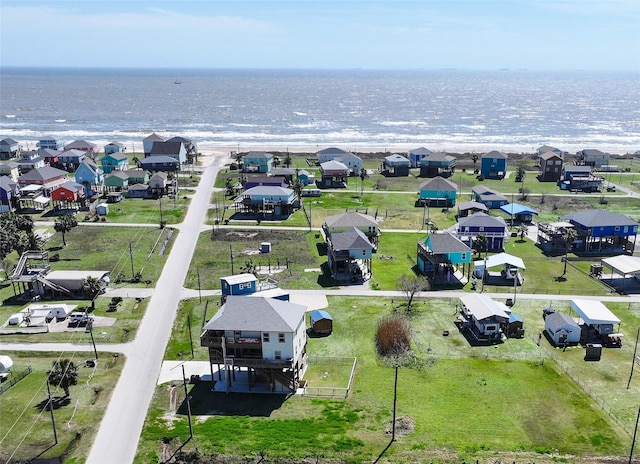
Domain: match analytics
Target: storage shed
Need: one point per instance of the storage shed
(321, 322)
(561, 329)
(239, 284)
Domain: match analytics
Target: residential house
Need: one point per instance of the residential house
(160, 163)
(30, 160)
(437, 164)
(114, 147)
(117, 181)
(349, 255)
(470, 207)
(147, 143)
(520, 214)
(286, 173)
(9, 148)
(342, 222)
(69, 192)
(551, 237)
(71, 159)
(274, 181)
(510, 273)
(493, 165)
(594, 158)
(82, 145)
(562, 329)
(352, 162)
(139, 191)
(175, 150)
(494, 229)
(90, 176)
(580, 178)
(438, 192)
(550, 167)
(484, 319)
(50, 142)
(329, 154)
(488, 197)
(257, 161)
(396, 165)
(334, 174)
(418, 154)
(602, 232)
(306, 177)
(601, 325)
(9, 193)
(10, 169)
(266, 202)
(548, 149)
(47, 178)
(114, 161)
(158, 183)
(264, 336)
(138, 176)
(51, 157)
(439, 256)
(189, 145)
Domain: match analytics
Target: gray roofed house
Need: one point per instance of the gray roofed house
(349, 255)
(438, 183)
(562, 328)
(396, 165)
(341, 222)
(441, 243)
(437, 192)
(350, 239)
(8, 148)
(47, 176)
(176, 150)
(82, 145)
(471, 207)
(493, 228)
(598, 218)
(488, 197)
(160, 163)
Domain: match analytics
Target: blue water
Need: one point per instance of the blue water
(437, 109)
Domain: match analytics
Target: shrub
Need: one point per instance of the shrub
(393, 336)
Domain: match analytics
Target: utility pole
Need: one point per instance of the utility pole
(634, 360)
(231, 254)
(199, 291)
(186, 396)
(131, 259)
(190, 336)
(161, 211)
(53, 420)
(90, 327)
(633, 441)
(395, 398)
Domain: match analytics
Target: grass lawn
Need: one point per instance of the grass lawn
(25, 429)
(515, 400)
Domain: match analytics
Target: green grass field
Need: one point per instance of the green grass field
(26, 430)
(516, 399)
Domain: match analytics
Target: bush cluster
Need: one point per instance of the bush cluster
(393, 336)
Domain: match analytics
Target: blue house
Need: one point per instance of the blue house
(493, 228)
(493, 165)
(417, 154)
(90, 176)
(115, 161)
(239, 284)
(114, 147)
(266, 202)
(257, 161)
(438, 192)
(436, 164)
(488, 197)
(160, 163)
(9, 193)
(440, 255)
(602, 232)
(306, 177)
(50, 142)
(519, 213)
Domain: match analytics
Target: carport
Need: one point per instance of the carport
(623, 265)
(599, 319)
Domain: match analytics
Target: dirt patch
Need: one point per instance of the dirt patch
(404, 426)
(242, 234)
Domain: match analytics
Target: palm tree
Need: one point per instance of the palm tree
(522, 231)
(64, 224)
(64, 374)
(287, 160)
(480, 244)
(91, 288)
(297, 187)
(569, 236)
(474, 158)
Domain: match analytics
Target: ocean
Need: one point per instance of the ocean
(449, 110)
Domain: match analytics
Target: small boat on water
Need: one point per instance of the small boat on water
(177, 82)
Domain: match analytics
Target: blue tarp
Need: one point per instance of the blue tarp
(319, 314)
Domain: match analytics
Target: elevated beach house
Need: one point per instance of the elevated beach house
(69, 192)
(470, 207)
(90, 176)
(549, 149)
(47, 178)
(160, 163)
(266, 202)
(71, 159)
(114, 161)
(31, 159)
(494, 229)
(395, 165)
(9, 148)
(437, 164)
(257, 161)
(342, 222)
(51, 142)
(263, 339)
(117, 181)
(550, 167)
(82, 145)
(114, 147)
(580, 178)
(493, 165)
(329, 154)
(175, 150)
(488, 197)
(593, 157)
(10, 169)
(439, 256)
(417, 154)
(9, 194)
(333, 174)
(437, 192)
(147, 143)
(349, 255)
(484, 319)
(519, 214)
(602, 232)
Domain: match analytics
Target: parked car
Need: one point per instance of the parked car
(79, 319)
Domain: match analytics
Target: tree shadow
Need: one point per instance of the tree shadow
(57, 402)
(325, 280)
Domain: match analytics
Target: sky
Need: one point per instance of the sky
(323, 34)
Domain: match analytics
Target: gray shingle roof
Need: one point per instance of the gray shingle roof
(447, 243)
(350, 220)
(481, 220)
(420, 151)
(257, 314)
(165, 148)
(494, 154)
(439, 184)
(330, 150)
(43, 173)
(350, 239)
(556, 321)
(599, 218)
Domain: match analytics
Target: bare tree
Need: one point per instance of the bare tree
(410, 285)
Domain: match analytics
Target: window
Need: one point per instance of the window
(464, 256)
(280, 338)
(489, 328)
(277, 354)
(265, 337)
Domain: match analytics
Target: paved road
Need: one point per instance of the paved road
(119, 433)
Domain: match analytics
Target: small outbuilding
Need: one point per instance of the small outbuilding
(562, 329)
(321, 322)
(601, 325)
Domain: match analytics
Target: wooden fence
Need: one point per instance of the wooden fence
(331, 392)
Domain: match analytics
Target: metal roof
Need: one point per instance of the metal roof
(594, 312)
